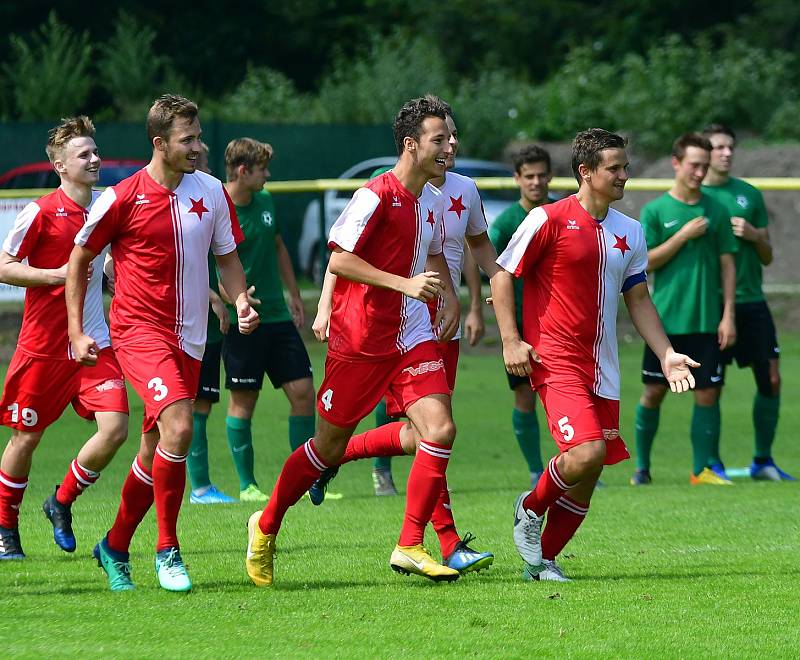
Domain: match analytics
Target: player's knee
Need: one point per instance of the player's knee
(587, 459)
(524, 399)
(442, 432)
(652, 396)
(708, 396)
(25, 443)
(775, 383)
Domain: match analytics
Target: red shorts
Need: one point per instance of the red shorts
(351, 390)
(575, 415)
(37, 390)
(448, 351)
(160, 373)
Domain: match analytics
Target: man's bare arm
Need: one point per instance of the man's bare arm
(13, 271)
(232, 278)
(84, 347)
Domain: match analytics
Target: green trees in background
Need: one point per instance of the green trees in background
(510, 71)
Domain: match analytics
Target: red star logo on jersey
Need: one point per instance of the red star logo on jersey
(430, 219)
(621, 244)
(457, 206)
(198, 208)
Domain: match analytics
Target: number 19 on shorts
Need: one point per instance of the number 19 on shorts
(29, 415)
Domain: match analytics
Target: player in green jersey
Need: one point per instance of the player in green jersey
(532, 173)
(757, 346)
(690, 252)
(276, 349)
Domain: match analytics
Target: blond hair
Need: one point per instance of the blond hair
(69, 128)
(248, 152)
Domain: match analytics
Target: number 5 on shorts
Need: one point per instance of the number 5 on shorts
(161, 390)
(327, 399)
(566, 428)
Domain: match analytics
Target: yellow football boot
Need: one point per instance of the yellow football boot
(709, 478)
(416, 559)
(260, 553)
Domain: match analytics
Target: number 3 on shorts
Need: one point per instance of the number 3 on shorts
(161, 390)
(566, 428)
(327, 399)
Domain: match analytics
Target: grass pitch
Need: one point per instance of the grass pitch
(660, 571)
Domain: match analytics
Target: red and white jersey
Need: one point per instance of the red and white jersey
(43, 233)
(392, 230)
(463, 216)
(159, 241)
(575, 267)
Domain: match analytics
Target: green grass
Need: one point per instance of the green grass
(663, 571)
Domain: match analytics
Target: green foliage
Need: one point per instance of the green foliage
(370, 88)
(265, 95)
(131, 72)
(785, 122)
(49, 74)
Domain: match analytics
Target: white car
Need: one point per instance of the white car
(308, 248)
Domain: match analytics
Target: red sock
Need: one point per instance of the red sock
(12, 490)
(300, 470)
(136, 500)
(550, 487)
(425, 483)
(75, 481)
(169, 482)
(443, 523)
(563, 519)
(382, 441)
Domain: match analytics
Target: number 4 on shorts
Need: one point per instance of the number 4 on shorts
(327, 399)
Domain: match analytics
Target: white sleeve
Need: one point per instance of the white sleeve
(352, 223)
(223, 240)
(513, 256)
(22, 224)
(476, 223)
(100, 207)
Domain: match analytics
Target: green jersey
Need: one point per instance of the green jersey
(500, 234)
(213, 335)
(259, 256)
(686, 290)
(741, 199)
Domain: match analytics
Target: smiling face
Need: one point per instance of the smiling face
(533, 180)
(182, 147)
(451, 126)
(609, 179)
(692, 168)
(431, 152)
(79, 161)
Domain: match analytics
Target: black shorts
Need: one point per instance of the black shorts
(756, 339)
(701, 347)
(274, 348)
(208, 389)
(515, 381)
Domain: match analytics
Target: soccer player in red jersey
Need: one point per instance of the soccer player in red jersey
(42, 378)
(464, 222)
(381, 340)
(576, 256)
(161, 223)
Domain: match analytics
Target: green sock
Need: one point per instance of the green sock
(197, 460)
(646, 429)
(705, 428)
(301, 428)
(240, 441)
(381, 419)
(765, 421)
(526, 430)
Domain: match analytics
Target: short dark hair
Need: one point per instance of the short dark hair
(588, 146)
(529, 154)
(683, 142)
(165, 110)
(714, 129)
(408, 121)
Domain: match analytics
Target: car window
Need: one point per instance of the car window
(111, 176)
(27, 180)
(362, 174)
(511, 195)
